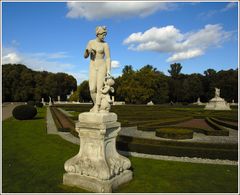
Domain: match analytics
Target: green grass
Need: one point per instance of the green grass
(33, 162)
(168, 176)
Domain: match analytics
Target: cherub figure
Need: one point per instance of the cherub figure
(217, 92)
(106, 100)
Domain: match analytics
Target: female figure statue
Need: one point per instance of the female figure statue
(100, 65)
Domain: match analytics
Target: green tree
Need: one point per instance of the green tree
(192, 87)
(84, 93)
(175, 70)
(22, 84)
(175, 83)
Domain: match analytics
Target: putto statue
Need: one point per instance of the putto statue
(100, 65)
(217, 92)
(106, 100)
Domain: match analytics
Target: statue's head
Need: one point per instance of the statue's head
(109, 81)
(101, 32)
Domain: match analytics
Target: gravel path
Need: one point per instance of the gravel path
(197, 137)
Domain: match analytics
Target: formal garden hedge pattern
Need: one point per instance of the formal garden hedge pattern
(174, 133)
(224, 123)
(178, 148)
(166, 147)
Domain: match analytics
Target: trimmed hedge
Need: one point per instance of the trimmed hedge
(174, 133)
(219, 130)
(227, 119)
(178, 148)
(24, 112)
(153, 125)
(204, 131)
(223, 123)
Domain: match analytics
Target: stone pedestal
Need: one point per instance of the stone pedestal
(98, 167)
(217, 103)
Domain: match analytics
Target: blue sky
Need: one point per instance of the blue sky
(52, 36)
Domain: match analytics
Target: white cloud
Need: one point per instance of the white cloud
(42, 62)
(115, 64)
(229, 6)
(185, 55)
(36, 61)
(211, 13)
(182, 46)
(11, 58)
(56, 55)
(80, 76)
(100, 10)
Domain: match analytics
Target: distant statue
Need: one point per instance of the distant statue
(106, 100)
(217, 92)
(100, 65)
(50, 101)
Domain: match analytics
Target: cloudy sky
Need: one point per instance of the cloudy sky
(52, 36)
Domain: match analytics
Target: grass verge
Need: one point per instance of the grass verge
(33, 162)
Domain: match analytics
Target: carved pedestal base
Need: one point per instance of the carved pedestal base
(94, 184)
(217, 103)
(98, 167)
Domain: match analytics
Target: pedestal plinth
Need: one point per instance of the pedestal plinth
(98, 167)
(217, 103)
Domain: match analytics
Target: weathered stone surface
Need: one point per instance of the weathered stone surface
(98, 160)
(95, 184)
(217, 103)
(92, 117)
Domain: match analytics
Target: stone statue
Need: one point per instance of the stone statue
(217, 92)
(50, 101)
(106, 100)
(100, 65)
(217, 103)
(98, 166)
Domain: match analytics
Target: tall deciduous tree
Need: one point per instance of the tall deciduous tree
(22, 84)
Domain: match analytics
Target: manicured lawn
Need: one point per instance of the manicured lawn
(169, 176)
(33, 162)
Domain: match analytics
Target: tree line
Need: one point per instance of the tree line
(149, 84)
(20, 83)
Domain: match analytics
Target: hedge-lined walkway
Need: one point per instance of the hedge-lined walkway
(197, 137)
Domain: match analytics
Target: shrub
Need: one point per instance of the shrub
(31, 103)
(178, 148)
(153, 125)
(24, 112)
(223, 123)
(174, 133)
(39, 104)
(219, 130)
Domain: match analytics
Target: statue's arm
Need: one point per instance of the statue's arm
(105, 89)
(108, 58)
(87, 50)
